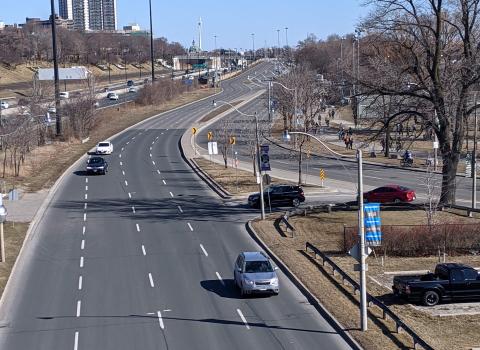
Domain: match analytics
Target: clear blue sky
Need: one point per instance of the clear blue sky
(232, 21)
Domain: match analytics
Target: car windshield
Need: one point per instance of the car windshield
(258, 266)
(95, 161)
(402, 188)
(103, 144)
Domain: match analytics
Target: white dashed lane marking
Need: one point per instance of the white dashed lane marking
(84, 216)
(153, 162)
(86, 180)
(164, 182)
(171, 194)
(86, 196)
(203, 249)
(75, 343)
(126, 183)
(121, 163)
(80, 282)
(83, 230)
(190, 226)
(160, 320)
(129, 195)
(180, 209)
(82, 246)
(158, 171)
(143, 250)
(81, 262)
(79, 307)
(244, 320)
(220, 278)
(133, 209)
(151, 280)
(138, 227)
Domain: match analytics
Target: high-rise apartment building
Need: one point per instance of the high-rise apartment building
(90, 14)
(81, 16)
(65, 9)
(109, 14)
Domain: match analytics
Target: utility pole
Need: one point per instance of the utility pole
(259, 165)
(474, 159)
(269, 101)
(278, 42)
(253, 46)
(363, 256)
(55, 70)
(152, 60)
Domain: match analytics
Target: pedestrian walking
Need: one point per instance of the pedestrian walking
(350, 142)
(347, 141)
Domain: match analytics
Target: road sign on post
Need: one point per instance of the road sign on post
(322, 177)
(210, 136)
(232, 140)
(194, 131)
(212, 148)
(264, 158)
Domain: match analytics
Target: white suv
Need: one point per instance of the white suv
(104, 147)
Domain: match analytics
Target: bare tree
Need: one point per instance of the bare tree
(426, 51)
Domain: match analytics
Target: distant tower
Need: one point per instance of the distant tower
(200, 34)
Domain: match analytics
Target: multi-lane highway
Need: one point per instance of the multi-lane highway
(142, 258)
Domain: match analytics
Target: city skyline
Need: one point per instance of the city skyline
(178, 21)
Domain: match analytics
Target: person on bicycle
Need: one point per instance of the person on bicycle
(408, 156)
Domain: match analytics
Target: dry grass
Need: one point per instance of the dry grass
(14, 236)
(235, 181)
(326, 232)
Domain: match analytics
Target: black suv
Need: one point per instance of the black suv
(279, 195)
(97, 165)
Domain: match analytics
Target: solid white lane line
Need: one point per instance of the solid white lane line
(133, 209)
(81, 262)
(164, 182)
(79, 307)
(204, 250)
(244, 320)
(220, 278)
(171, 194)
(84, 216)
(75, 343)
(83, 230)
(143, 250)
(121, 163)
(138, 227)
(158, 171)
(126, 183)
(129, 195)
(180, 209)
(80, 282)
(85, 206)
(151, 280)
(86, 180)
(86, 196)
(153, 162)
(82, 247)
(123, 172)
(190, 226)
(160, 321)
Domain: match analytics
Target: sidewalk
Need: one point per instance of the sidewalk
(25, 208)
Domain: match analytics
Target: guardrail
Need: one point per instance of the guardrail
(387, 313)
(469, 210)
(288, 226)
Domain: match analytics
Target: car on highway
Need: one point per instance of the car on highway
(390, 194)
(449, 282)
(97, 165)
(112, 96)
(278, 195)
(130, 83)
(132, 89)
(64, 95)
(52, 109)
(254, 273)
(104, 147)
(4, 105)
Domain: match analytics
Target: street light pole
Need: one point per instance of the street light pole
(152, 60)
(253, 46)
(55, 70)
(474, 158)
(259, 165)
(278, 42)
(361, 227)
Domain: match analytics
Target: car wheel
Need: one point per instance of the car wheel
(430, 298)
(397, 200)
(295, 202)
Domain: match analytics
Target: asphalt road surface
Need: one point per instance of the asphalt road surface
(142, 258)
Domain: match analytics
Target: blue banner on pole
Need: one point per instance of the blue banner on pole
(373, 225)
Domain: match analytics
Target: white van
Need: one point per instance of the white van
(64, 94)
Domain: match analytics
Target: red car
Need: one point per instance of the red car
(389, 194)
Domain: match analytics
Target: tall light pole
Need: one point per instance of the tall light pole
(278, 42)
(253, 46)
(152, 59)
(361, 228)
(259, 165)
(55, 70)
(474, 158)
(3, 217)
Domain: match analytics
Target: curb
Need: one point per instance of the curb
(305, 291)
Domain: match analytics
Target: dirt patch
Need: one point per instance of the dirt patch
(14, 236)
(235, 181)
(326, 232)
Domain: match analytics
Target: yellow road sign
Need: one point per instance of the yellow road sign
(322, 174)
(194, 131)
(232, 140)
(210, 136)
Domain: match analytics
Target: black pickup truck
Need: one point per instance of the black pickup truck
(450, 282)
